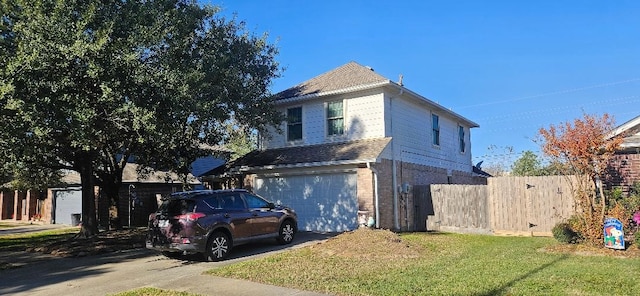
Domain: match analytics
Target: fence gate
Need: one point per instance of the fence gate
(423, 206)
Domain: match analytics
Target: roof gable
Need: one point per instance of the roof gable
(345, 77)
(353, 77)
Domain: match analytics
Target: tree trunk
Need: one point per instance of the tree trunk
(89, 222)
(111, 188)
(110, 183)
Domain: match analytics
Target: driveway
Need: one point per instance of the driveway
(38, 274)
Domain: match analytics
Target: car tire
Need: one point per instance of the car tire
(286, 233)
(218, 246)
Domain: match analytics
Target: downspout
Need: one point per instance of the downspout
(375, 194)
(394, 167)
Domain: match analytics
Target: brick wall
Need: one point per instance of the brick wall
(411, 174)
(624, 170)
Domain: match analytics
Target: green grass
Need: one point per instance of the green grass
(11, 224)
(153, 292)
(450, 264)
(22, 241)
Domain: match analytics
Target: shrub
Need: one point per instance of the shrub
(563, 233)
(636, 237)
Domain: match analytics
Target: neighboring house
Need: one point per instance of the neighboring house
(353, 145)
(624, 169)
(63, 205)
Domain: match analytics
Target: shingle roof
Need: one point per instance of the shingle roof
(130, 175)
(364, 150)
(346, 76)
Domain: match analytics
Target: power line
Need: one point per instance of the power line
(546, 111)
(551, 93)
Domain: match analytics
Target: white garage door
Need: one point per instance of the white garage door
(68, 205)
(325, 202)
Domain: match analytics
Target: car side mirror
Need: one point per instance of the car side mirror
(271, 205)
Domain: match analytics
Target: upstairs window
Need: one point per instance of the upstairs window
(461, 138)
(335, 118)
(294, 124)
(435, 133)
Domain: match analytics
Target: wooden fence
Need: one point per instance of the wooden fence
(505, 206)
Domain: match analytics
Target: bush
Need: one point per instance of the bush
(563, 233)
(636, 236)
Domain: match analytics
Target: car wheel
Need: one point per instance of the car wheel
(218, 246)
(286, 233)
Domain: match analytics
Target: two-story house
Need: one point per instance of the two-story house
(353, 145)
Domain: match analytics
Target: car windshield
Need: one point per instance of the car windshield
(177, 206)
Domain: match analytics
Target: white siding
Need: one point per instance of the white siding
(364, 119)
(410, 125)
(374, 114)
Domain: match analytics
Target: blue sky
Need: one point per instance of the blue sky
(511, 66)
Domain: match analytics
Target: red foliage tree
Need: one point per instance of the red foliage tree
(585, 147)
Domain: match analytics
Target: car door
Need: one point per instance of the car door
(236, 215)
(265, 220)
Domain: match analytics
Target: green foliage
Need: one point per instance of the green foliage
(623, 205)
(563, 233)
(527, 165)
(85, 85)
(240, 139)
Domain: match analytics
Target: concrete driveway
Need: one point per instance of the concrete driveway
(38, 274)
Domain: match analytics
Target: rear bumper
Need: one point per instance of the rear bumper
(182, 244)
(174, 247)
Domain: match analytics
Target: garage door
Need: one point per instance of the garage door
(325, 202)
(68, 203)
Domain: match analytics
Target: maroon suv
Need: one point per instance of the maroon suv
(211, 222)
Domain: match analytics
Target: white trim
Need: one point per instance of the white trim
(336, 137)
(624, 127)
(307, 173)
(286, 136)
(433, 128)
(305, 165)
(333, 92)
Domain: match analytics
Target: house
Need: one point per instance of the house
(63, 205)
(624, 169)
(352, 148)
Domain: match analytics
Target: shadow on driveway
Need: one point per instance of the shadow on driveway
(25, 273)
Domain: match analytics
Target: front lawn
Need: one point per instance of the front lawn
(23, 241)
(377, 262)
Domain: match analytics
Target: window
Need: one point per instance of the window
(461, 138)
(435, 125)
(294, 124)
(335, 118)
(232, 202)
(255, 202)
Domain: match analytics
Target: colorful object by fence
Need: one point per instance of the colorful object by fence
(613, 234)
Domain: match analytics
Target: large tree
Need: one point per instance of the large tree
(86, 85)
